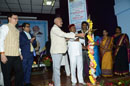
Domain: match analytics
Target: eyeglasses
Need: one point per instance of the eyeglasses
(15, 18)
(27, 26)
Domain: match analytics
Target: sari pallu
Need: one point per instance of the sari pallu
(96, 55)
(106, 54)
(121, 65)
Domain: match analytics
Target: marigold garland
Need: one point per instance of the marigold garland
(93, 64)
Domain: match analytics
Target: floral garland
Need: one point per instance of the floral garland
(93, 64)
(47, 60)
(120, 82)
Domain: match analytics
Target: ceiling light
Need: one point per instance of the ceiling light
(49, 2)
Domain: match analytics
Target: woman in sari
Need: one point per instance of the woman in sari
(121, 43)
(96, 55)
(106, 46)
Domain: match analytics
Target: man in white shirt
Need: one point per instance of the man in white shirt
(59, 47)
(84, 29)
(9, 49)
(75, 55)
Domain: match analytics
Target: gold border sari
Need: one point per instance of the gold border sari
(106, 53)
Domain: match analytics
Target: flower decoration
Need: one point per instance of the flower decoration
(119, 83)
(34, 62)
(47, 60)
(93, 64)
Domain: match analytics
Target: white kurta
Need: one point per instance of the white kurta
(75, 55)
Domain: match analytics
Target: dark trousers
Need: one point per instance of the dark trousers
(27, 66)
(86, 62)
(14, 62)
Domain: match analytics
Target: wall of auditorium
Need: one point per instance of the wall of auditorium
(122, 11)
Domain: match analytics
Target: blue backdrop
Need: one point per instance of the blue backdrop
(40, 26)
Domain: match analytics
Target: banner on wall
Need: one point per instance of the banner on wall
(77, 12)
(39, 28)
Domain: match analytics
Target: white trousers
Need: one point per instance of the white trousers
(76, 61)
(56, 58)
(65, 63)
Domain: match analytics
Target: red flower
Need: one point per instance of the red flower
(111, 84)
(92, 51)
(89, 84)
(47, 58)
(122, 84)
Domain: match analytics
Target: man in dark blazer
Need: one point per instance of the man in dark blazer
(27, 44)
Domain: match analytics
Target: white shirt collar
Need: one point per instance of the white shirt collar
(27, 34)
(85, 32)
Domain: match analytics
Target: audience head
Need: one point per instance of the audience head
(58, 21)
(13, 18)
(26, 27)
(72, 28)
(118, 30)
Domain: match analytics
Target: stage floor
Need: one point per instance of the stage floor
(41, 77)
